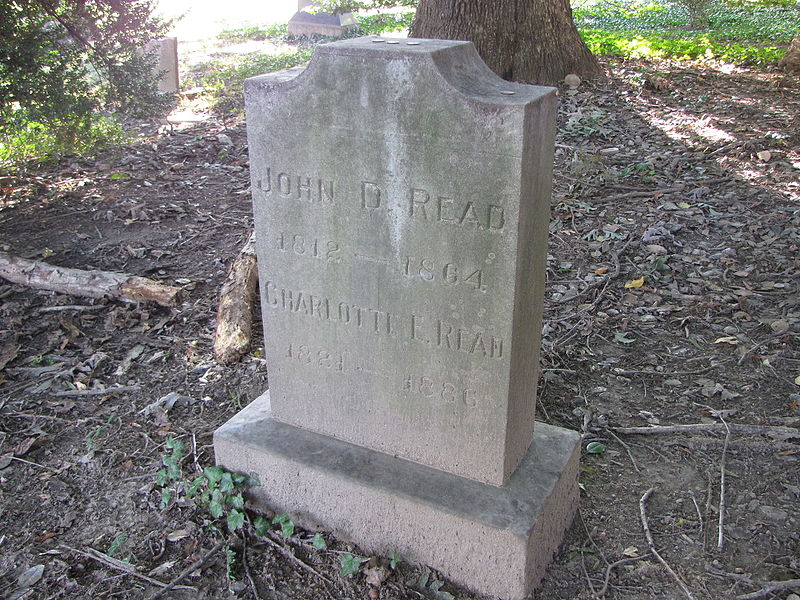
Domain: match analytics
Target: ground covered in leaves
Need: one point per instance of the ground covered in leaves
(672, 299)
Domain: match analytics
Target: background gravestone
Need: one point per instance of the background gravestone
(166, 51)
(401, 195)
(304, 22)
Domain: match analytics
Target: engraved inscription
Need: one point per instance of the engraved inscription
(425, 206)
(316, 358)
(436, 333)
(428, 269)
(310, 247)
(440, 390)
(290, 186)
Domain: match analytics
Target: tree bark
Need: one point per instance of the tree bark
(77, 282)
(532, 41)
(235, 313)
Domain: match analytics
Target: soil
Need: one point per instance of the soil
(672, 298)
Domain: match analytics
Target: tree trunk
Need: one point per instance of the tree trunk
(533, 41)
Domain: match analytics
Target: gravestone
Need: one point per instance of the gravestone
(166, 52)
(401, 194)
(304, 22)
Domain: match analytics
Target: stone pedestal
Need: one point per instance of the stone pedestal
(495, 541)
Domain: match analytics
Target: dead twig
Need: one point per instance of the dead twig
(769, 587)
(120, 565)
(105, 392)
(770, 430)
(291, 556)
(752, 349)
(627, 449)
(611, 567)
(652, 545)
(721, 529)
(188, 571)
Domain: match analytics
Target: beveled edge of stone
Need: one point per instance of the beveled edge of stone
(457, 62)
(513, 508)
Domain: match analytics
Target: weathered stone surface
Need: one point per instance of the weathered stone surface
(401, 195)
(166, 51)
(320, 23)
(495, 541)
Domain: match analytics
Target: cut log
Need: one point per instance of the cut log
(92, 284)
(235, 313)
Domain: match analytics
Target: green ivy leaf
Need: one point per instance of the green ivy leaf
(226, 482)
(213, 475)
(350, 564)
(195, 486)
(216, 509)
(319, 542)
(261, 526)
(595, 448)
(235, 519)
(236, 501)
(161, 477)
(394, 560)
(166, 496)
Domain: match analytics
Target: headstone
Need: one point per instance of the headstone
(166, 51)
(401, 194)
(304, 22)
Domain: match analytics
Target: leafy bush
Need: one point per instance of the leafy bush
(650, 45)
(274, 31)
(63, 62)
(380, 23)
(735, 23)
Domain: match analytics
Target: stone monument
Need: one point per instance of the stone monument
(304, 22)
(166, 53)
(401, 193)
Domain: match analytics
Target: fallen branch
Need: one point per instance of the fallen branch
(772, 586)
(652, 545)
(188, 571)
(93, 284)
(235, 312)
(723, 460)
(121, 565)
(770, 430)
(104, 392)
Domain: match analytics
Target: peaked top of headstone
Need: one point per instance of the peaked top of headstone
(457, 62)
